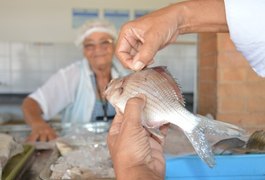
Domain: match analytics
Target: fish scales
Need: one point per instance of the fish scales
(155, 97)
(152, 104)
(146, 89)
(160, 83)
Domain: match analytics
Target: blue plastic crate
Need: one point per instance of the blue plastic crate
(228, 167)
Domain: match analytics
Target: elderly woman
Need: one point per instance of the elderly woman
(76, 91)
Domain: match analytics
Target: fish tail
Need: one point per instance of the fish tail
(219, 128)
(208, 126)
(201, 145)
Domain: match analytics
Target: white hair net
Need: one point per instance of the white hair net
(96, 25)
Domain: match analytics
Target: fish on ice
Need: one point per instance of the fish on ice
(165, 104)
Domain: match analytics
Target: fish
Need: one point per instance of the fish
(254, 145)
(256, 141)
(229, 146)
(165, 104)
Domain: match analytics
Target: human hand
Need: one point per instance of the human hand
(139, 40)
(41, 132)
(134, 151)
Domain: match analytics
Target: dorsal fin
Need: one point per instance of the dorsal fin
(166, 74)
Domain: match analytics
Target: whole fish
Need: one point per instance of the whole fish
(165, 104)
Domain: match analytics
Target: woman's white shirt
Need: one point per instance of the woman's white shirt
(64, 82)
(61, 91)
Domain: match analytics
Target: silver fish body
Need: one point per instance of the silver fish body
(165, 104)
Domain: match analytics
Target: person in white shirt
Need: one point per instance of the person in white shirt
(136, 154)
(76, 91)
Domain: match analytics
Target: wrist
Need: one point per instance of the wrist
(201, 16)
(37, 123)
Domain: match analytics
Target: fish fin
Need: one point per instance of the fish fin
(162, 70)
(156, 132)
(201, 145)
(153, 129)
(209, 126)
(223, 129)
(180, 95)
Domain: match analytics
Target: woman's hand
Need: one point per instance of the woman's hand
(41, 131)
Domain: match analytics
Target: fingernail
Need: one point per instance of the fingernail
(151, 62)
(140, 95)
(138, 65)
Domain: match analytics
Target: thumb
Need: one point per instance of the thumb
(133, 110)
(146, 53)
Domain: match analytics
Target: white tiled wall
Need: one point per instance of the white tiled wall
(181, 61)
(25, 66)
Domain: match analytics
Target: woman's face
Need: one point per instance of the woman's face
(98, 48)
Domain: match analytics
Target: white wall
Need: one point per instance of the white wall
(51, 20)
(36, 39)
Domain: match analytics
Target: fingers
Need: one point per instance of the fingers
(127, 46)
(133, 110)
(114, 129)
(164, 129)
(135, 50)
(52, 136)
(146, 52)
(32, 137)
(42, 135)
(115, 125)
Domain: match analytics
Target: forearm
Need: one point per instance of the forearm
(32, 112)
(200, 16)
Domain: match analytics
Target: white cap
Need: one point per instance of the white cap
(96, 25)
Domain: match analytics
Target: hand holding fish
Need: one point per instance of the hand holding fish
(139, 40)
(134, 151)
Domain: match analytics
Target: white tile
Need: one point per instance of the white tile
(48, 49)
(16, 63)
(5, 82)
(17, 49)
(25, 78)
(47, 63)
(45, 76)
(24, 82)
(188, 37)
(4, 48)
(64, 49)
(5, 64)
(25, 64)
(62, 62)
(32, 49)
